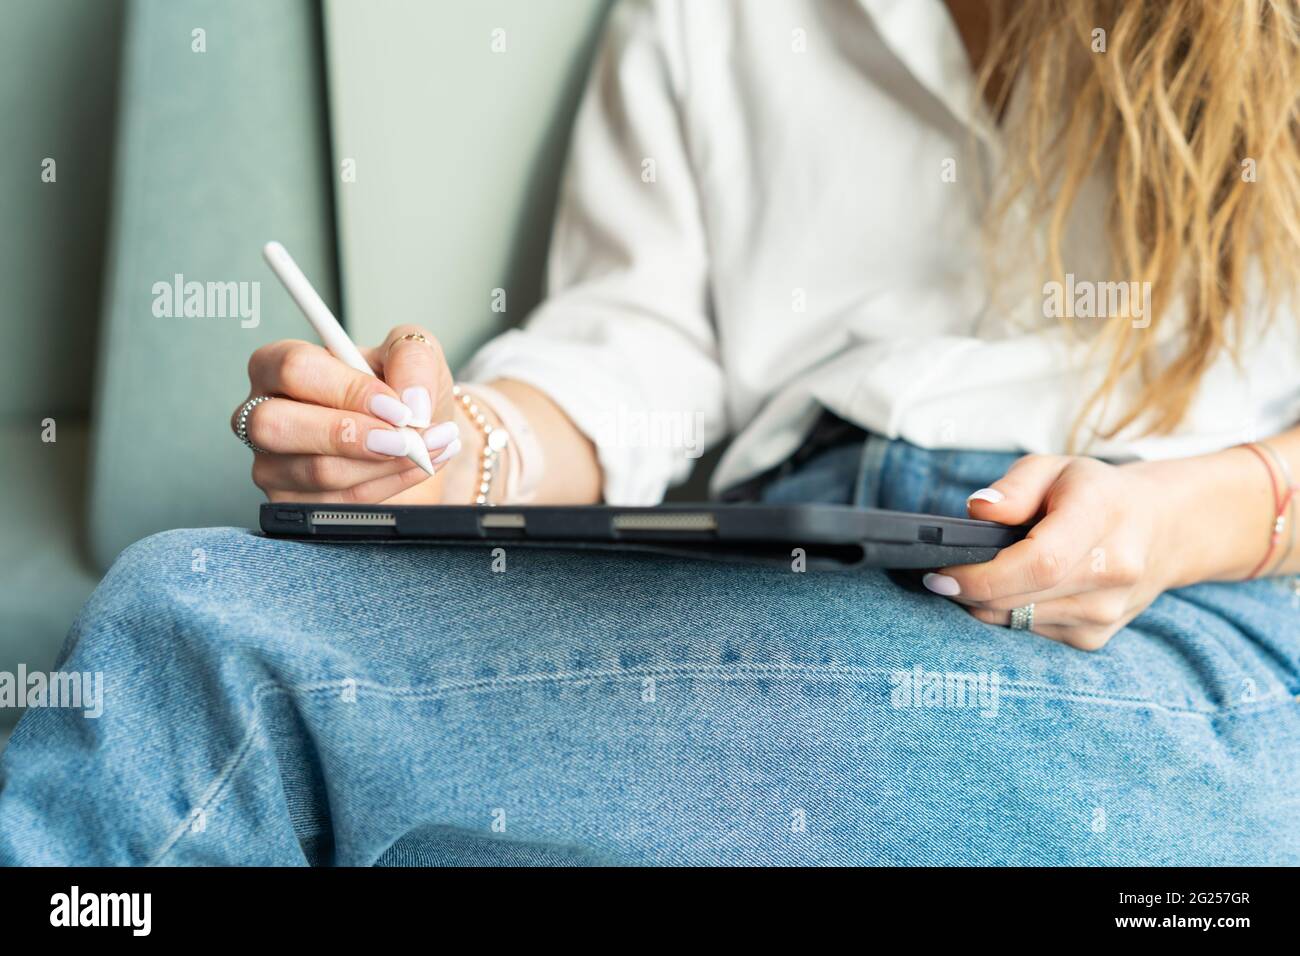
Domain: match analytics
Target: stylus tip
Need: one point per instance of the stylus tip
(416, 451)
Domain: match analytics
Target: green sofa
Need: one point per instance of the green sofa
(406, 152)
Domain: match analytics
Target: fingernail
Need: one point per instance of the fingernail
(383, 442)
(417, 400)
(942, 584)
(439, 436)
(447, 452)
(390, 410)
(991, 495)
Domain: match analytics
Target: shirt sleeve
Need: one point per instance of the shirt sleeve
(625, 342)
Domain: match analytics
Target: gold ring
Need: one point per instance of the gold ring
(413, 336)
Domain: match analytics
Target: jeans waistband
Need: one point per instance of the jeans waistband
(842, 464)
(900, 476)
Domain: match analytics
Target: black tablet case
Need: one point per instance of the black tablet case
(830, 536)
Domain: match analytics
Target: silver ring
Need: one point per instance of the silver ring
(1022, 618)
(241, 425)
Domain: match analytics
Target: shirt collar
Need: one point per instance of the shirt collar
(923, 36)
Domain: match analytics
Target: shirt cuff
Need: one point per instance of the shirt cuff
(582, 379)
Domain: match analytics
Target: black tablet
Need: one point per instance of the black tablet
(822, 535)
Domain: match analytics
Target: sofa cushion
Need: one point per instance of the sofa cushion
(221, 146)
(456, 118)
(46, 575)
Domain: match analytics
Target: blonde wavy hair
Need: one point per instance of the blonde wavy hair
(1187, 99)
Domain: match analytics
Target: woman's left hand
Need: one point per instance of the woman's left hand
(1099, 553)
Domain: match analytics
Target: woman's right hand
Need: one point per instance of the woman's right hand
(329, 433)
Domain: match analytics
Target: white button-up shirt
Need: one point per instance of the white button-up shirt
(774, 207)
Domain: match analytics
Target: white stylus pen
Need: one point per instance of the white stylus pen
(331, 333)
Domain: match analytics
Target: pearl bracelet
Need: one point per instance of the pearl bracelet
(495, 441)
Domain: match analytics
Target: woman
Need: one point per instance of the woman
(890, 248)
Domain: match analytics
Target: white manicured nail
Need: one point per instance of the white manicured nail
(390, 410)
(447, 452)
(417, 400)
(440, 436)
(942, 584)
(991, 495)
(383, 442)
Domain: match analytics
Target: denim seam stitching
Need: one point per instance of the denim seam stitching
(218, 786)
(1023, 689)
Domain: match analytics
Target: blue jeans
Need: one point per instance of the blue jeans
(284, 703)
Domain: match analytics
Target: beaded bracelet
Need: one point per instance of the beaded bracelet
(495, 441)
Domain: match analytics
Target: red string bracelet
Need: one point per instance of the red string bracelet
(1281, 503)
